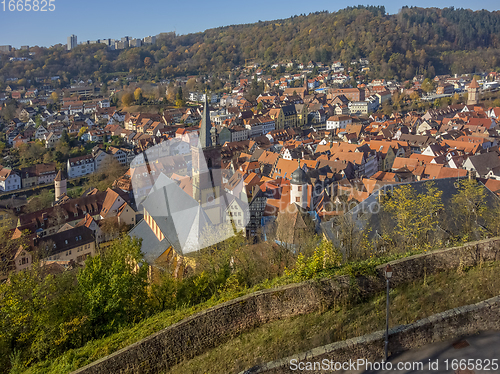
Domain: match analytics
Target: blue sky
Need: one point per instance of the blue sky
(93, 19)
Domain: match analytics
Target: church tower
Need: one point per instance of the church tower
(206, 167)
(60, 185)
(473, 93)
(298, 188)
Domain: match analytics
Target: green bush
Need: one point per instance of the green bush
(324, 257)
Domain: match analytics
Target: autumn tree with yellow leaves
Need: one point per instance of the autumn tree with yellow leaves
(468, 208)
(415, 215)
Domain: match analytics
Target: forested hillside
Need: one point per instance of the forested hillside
(414, 41)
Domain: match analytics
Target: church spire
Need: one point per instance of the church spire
(206, 126)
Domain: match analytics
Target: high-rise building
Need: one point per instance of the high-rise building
(71, 42)
(149, 40)
(134, 42)
(119, 45)
(5, 48)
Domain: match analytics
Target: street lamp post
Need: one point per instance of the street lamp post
(388, 275)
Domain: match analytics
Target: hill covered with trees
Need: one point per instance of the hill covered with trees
(424, 41)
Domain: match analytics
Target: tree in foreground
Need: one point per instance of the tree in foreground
(415, 215)
(353, 236)
(39, 316)
(113, 286)
(42, 315)
(468, 207)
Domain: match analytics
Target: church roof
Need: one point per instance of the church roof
(151, 247)
(180, 218)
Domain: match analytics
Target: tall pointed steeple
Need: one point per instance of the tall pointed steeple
(206, 126)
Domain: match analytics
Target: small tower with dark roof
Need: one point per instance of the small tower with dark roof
(473, 92)
(298, 187)
(60, 184)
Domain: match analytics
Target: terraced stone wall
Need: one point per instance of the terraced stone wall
(212, 327)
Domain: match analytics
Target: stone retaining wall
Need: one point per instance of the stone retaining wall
(451, 324)
(212, 327)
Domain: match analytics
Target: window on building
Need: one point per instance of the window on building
(297, 199)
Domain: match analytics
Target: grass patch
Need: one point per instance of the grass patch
(409, 303)
(92, 351)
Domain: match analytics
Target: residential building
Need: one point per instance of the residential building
(116, 205)
(445, 89)
(51, 139)
(38, 174)
(80, 166)
(358, 107)
(100, 158)
(9, 180)
(149, 40)
(338, 122)
(120, 155)
(352, 94)
(75, 244)
(72, 42)
(482, 164)
(239, 133)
